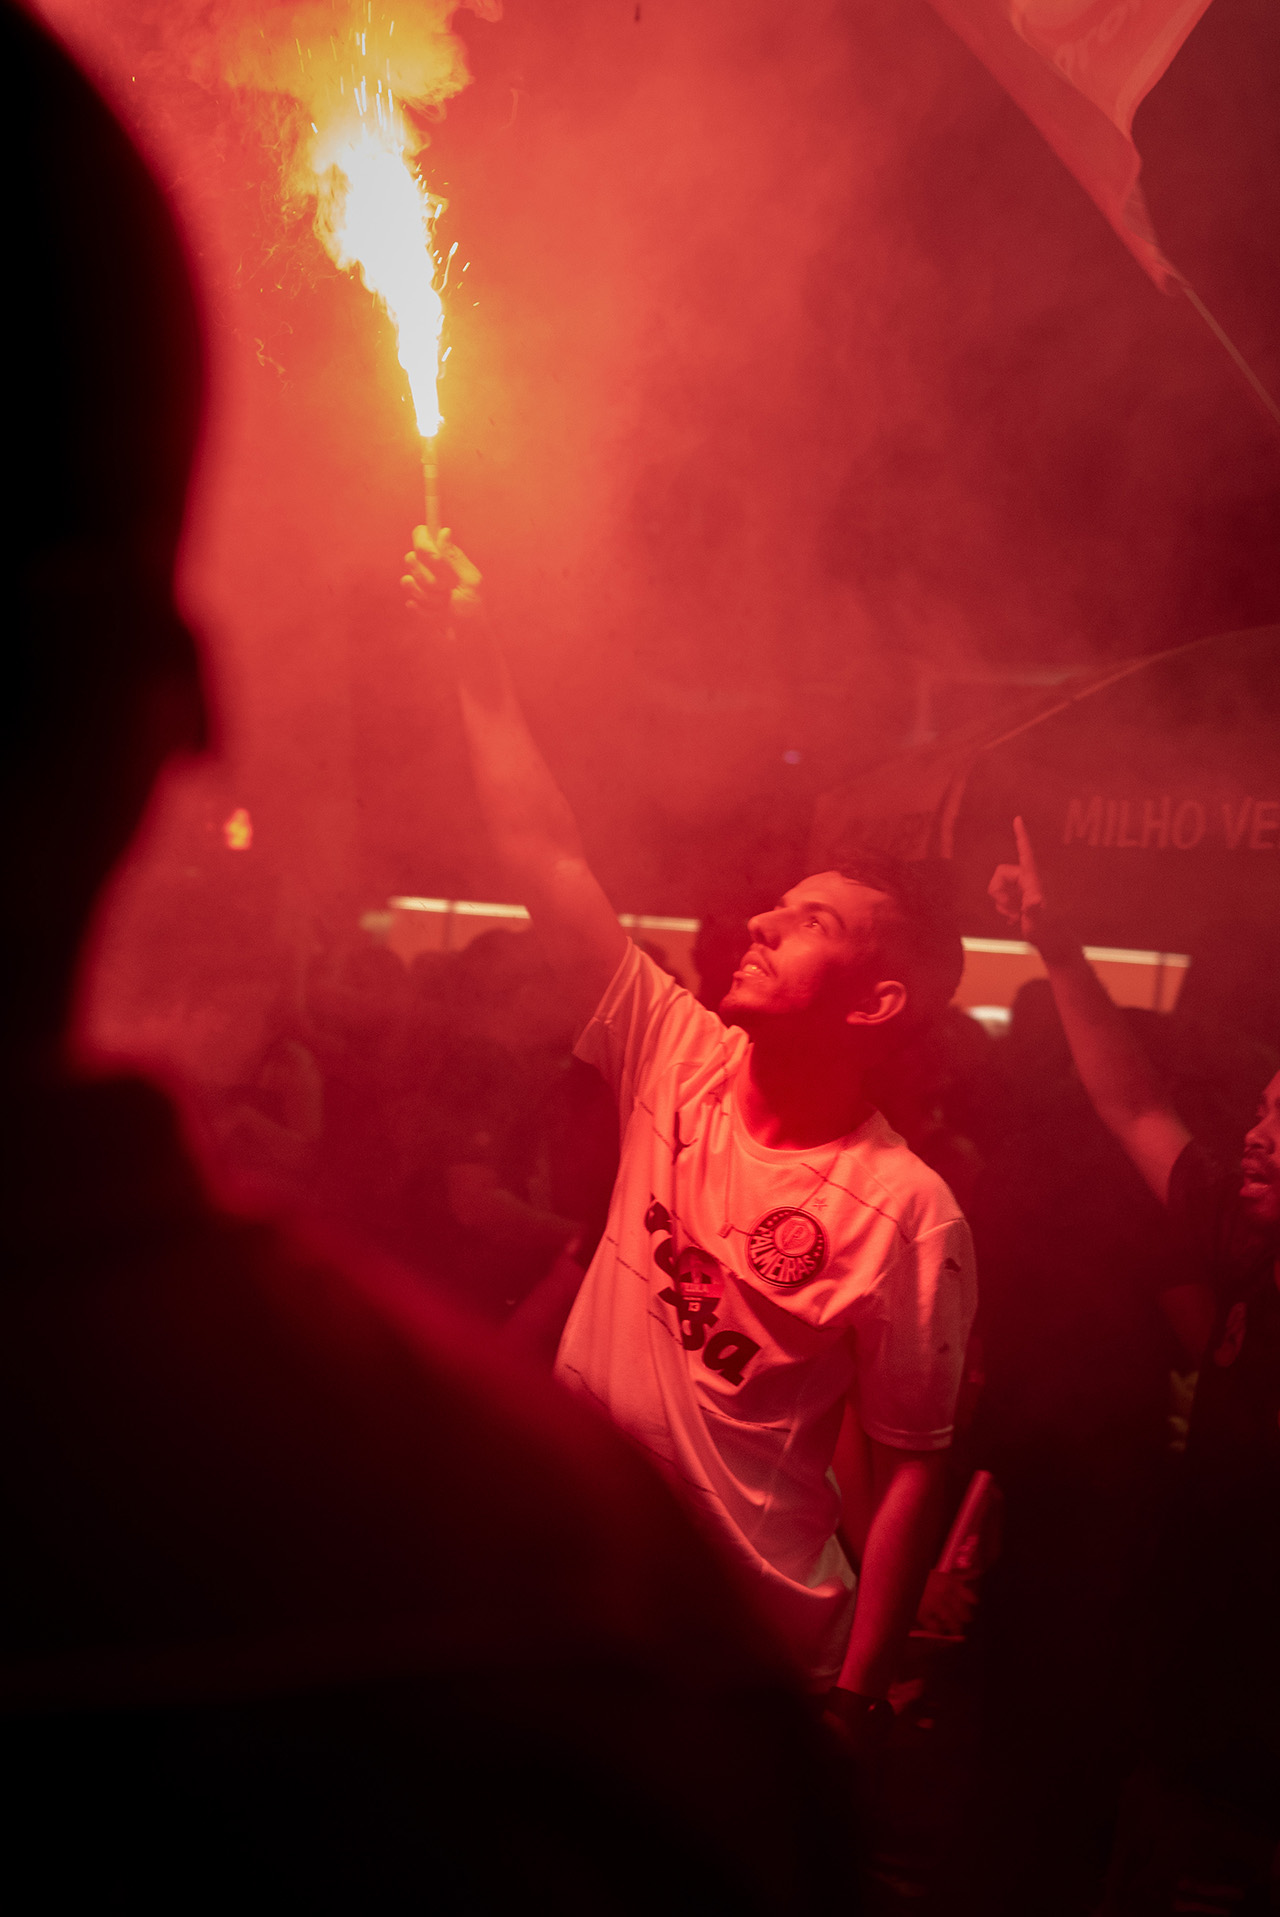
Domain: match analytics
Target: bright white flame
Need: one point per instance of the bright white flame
(375, 214)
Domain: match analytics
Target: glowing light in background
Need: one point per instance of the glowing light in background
(237, 831)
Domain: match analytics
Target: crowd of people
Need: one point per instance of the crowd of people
(320, 1588)
(435, 1108)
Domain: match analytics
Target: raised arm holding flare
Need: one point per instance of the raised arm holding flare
(529, 821)
(774, 1255)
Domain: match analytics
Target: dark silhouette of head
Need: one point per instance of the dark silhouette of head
(103, 399)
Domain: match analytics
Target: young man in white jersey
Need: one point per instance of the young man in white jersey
(774, 1256)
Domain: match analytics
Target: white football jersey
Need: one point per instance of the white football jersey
(740, 1293)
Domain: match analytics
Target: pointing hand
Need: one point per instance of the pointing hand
(1018, 894)
(1016, 891)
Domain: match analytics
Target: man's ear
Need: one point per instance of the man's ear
(881, 1002)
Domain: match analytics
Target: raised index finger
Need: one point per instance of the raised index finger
(1026, 857)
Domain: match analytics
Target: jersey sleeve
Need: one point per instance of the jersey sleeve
(645, 1019)
(910, 1340)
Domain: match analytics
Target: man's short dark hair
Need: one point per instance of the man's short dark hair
(921, 943)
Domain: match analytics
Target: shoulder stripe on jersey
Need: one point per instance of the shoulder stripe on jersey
(869, 1204)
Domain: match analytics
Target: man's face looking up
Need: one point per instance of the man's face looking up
(812, 959)
(1260, 1187)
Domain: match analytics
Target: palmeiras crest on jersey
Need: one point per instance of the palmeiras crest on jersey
(787, 1246)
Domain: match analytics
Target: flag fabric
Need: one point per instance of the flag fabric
(1079, 69)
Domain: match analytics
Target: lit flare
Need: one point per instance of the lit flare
(375, 215)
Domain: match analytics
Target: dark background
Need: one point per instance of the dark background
(800, 402)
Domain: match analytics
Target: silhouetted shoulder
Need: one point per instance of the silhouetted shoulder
(287, 1541)
(207, 1422)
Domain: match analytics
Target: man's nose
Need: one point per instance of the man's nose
(764, 927)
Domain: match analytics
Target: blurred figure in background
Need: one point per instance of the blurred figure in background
(1205, 1812)
(359, 1012)
(249, 1085)
(307, 1600)
(933, 1097)
(525, 1134)
(1075, 1256)
(1232, 988)
(203, 989)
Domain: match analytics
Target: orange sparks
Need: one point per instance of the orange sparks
(356, 78)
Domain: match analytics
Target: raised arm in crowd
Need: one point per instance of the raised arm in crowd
(1113, 1068)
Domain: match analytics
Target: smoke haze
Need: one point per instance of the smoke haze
(797, 393)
